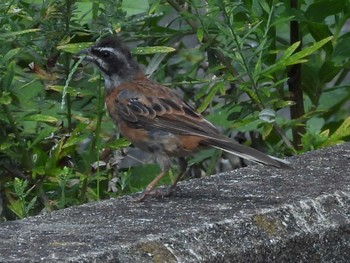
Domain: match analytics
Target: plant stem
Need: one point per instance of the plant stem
(294, 83)
(68, 15)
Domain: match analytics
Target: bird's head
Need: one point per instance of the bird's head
(114, 59)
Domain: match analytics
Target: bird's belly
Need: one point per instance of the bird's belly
(155, 141)
(165, 142)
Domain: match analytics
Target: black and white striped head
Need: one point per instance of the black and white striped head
(114, 59)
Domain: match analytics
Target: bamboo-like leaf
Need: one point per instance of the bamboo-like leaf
(74, 140)
(70, 90)
(289, 51)
(152, 50)
(307, 51)
(41, 118)
(74, 48)
(208, 99)
(17, 33)
(289, 59)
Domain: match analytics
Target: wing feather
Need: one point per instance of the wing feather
(171, 115)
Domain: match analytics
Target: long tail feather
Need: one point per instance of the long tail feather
(247, 153)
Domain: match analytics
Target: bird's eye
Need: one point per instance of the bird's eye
(105, 54)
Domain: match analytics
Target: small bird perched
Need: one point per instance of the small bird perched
(153, 117)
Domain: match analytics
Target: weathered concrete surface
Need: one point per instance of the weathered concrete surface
(255, 214)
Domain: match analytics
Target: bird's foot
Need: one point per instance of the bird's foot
(158, 193)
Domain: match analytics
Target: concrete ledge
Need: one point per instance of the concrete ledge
(255, 214)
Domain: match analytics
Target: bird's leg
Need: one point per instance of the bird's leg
(151, 185)
(164, 163)
(183, 168)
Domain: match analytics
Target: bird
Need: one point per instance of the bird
(154, 118)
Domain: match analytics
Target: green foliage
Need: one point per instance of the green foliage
(230, 59)
(20, 206)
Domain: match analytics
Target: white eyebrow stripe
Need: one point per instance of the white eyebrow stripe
(116, 53)
(109, 49)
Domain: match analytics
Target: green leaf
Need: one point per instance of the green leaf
(265, 6)
(83, 11)
(283, 103)
(200, 34)
(220, 116)
(16, 208)
(334, 98)
(41, 118)
(288, 59)
(289, 51)
(319, 10)
(307, 51)
(342, 132)
(319, 31)
(152, 50)
(341, 52)
(30, 205)
(135, 7)
(42, 135)
(70, 90)
(10, 54)
(118, 144)
(74, 140)
(267, 129)
(328, 71)
(17, 33)
(5, 145)
(247, 124)
(5, 98)
(218, 87)
(74, 48)
(315, 124)
(10, 73)
(38, 170)
(314, 140)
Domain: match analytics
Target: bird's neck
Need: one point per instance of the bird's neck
(113, 82)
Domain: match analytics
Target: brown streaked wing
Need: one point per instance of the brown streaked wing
(157, 107)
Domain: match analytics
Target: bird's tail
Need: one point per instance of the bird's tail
(245, 152)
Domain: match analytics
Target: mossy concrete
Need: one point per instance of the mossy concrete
(255, 214)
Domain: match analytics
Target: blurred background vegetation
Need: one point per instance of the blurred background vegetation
(272, 74)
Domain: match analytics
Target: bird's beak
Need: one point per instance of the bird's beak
(86, 53)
